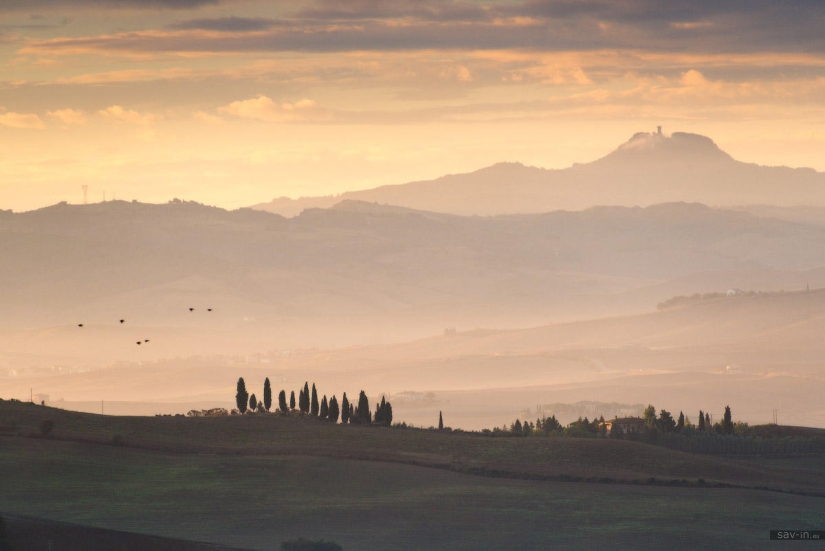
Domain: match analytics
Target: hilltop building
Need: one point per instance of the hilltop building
(625, 425)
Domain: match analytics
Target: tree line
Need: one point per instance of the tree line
(308, 404)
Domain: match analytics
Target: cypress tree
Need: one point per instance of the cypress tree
(267, 395)
(324, 408)
(303, 403)
(517, 428)
(707, 422)
(680, 424)
(253, 403)
(292, 400)
(351, 416)
(440, 421)
(701, 420)
(241, 396)
(727, 422)
(362, 412)
(333, 409)
(388, 414)
(282, 401)
(345, 409)
(314, 408)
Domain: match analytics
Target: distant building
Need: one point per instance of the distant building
(659, 130)
(624, 425)
(735, 292)
(40, 398)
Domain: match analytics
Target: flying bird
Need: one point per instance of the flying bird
(191, 309)
(80, 325)
(147, 340)
(138, 343)
(208, 309)
(121, 321)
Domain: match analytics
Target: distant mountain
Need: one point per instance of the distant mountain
(648, 169)
(361, 272)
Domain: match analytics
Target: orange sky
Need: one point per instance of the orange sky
(233, 102)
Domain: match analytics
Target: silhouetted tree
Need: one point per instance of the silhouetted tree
(680, 424)
(701, 420)
(440, 421)
(707, 421)
(516, 428)
(345, 409)
(241, 396)
(650, 417)
(292, 400)
(253, 403)
(727, 423)
(351, 413)
(304, 402)
(383, 413)
(388, 414)
(666, 422)
(314, 405)
(267, 395)
(324, 411)
(282, 401)
(333, 409)
(363, 415)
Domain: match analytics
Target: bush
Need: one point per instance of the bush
(46, 426)
(305, 545)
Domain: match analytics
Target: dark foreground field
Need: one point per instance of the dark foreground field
(246, 486)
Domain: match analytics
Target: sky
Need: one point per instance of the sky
(235, 102)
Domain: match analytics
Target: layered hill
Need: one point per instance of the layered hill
(648, 169)
(360, 272)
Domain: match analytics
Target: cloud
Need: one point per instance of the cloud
(263, 108)
(36, 5)
(206, 117)
(226, 24)
(69, 117)
(11, 119)
(118, 113)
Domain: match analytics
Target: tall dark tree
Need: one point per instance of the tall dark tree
(440, 421)
(267, 395)
(701, 420)
(388, 414)
(282, 401)
(362, 412)
(314, 407)
(324, 411)
(253, 403)
(708, 426)
(345, 409)
(292, 400)
(666, 422)
(351, 413)
(727, 422)
(516, 428)
(680, 424)
(304, 402)
(241, 396)
(333, 409)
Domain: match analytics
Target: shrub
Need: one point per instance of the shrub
(46, 426)
(301, 544)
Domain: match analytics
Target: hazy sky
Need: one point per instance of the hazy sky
(238, 101)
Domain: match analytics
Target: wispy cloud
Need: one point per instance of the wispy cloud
(119, 114)
(263, 108)
(69, 117)
(11, 119)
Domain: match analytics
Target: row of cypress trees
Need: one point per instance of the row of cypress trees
(308, 404)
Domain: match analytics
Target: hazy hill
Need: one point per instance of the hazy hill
(649, 168)
(361, 272)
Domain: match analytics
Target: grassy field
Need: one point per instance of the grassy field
(537, 458)
(257, 501)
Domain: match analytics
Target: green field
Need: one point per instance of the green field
(253, 482)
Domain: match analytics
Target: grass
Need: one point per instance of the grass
(536, 458)
(257, 501)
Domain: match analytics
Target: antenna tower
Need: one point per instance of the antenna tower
(85, 190)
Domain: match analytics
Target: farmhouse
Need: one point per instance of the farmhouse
(624, 425)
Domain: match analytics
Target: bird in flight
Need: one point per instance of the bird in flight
(121, 321)
(138, 343)
(80, 325)
(147, 340)
(208, 309)
(191, 309)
